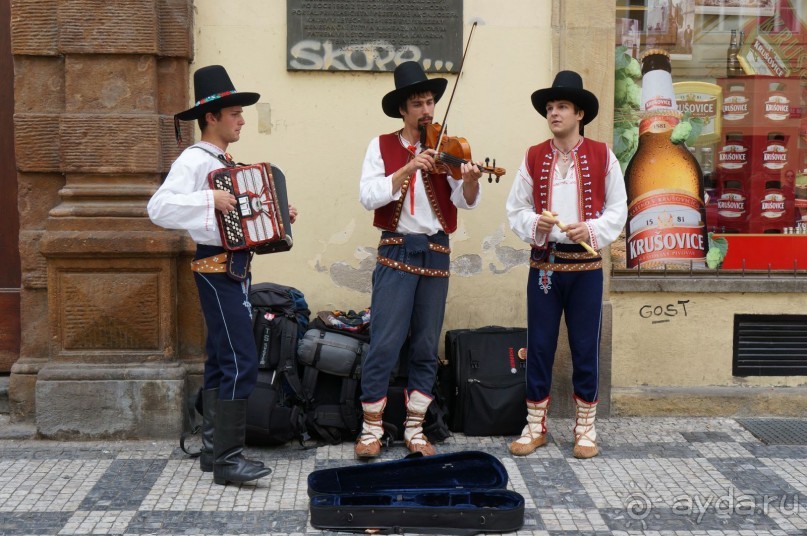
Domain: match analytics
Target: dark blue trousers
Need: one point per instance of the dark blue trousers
(406, 304)
(232, 357)
(579, 296)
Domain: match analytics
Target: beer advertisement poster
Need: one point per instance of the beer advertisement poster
(703, 101)
(775, 46)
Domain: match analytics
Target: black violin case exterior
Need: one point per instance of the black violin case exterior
(458, 493)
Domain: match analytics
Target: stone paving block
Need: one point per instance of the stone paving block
(704, 477)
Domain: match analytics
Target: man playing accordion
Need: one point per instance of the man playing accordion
(186, 201)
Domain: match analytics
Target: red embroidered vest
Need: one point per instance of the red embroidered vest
(438, 189)
(591, 165)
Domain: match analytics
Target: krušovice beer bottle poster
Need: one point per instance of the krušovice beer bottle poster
(666, 212)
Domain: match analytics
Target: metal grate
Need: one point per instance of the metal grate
(770, 345)
(777, 431)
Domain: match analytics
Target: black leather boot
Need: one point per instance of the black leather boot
(228, 445)
(210, 398)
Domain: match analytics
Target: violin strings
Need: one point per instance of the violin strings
(451, 159)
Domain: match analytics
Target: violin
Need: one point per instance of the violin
(454, 151)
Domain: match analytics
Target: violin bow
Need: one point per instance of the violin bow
(456, 83)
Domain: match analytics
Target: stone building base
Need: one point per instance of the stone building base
(86, 402)
(709, 401)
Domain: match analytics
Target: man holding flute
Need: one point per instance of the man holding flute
(567, 201)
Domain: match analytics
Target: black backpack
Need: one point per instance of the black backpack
(330, 361)
(276, 408)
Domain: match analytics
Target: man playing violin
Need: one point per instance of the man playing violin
(415, 201)
(577, 181)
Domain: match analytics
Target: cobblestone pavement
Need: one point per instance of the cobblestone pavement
(654, 477)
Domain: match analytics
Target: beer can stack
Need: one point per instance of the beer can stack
(759, 155)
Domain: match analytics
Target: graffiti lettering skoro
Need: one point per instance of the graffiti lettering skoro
(375, 56)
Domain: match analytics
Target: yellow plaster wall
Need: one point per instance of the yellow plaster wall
(316, 127)
(666, 339)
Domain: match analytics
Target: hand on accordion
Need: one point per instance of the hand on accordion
(252, 210)
(223, 201)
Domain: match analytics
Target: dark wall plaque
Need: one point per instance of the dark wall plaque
(373, 35)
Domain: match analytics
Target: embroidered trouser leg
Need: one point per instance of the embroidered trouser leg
(232, 358)
(579, 296)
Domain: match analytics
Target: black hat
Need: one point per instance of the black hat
(410, 78)
(213, 90)
(568, 85)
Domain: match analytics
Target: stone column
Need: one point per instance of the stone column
(110, 322)
(596, 65)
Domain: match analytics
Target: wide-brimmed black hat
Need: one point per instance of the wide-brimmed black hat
(213, 90)
(568, 85)
(410, 78)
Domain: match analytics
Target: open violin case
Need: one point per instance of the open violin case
(458, 493)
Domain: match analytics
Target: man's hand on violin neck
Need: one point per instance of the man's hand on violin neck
(470, 181)
(471, 172)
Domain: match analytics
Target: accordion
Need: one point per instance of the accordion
(260, 221)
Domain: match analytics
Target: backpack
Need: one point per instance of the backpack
(331, 355)
(331, 360)
(276, 407)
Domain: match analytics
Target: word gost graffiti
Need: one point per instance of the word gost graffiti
(314, 55)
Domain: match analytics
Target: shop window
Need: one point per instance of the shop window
(710, 127)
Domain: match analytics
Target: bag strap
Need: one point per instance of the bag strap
(220, 157)
(265, 359)
(288, 349)
(437, 430)
(310, 375)
(348, 408)
(195, 428)
(298, 423)
(301, 402)
(328, 435)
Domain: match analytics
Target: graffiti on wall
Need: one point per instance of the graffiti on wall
(313, 55)
(374, 35)
(661, 314)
